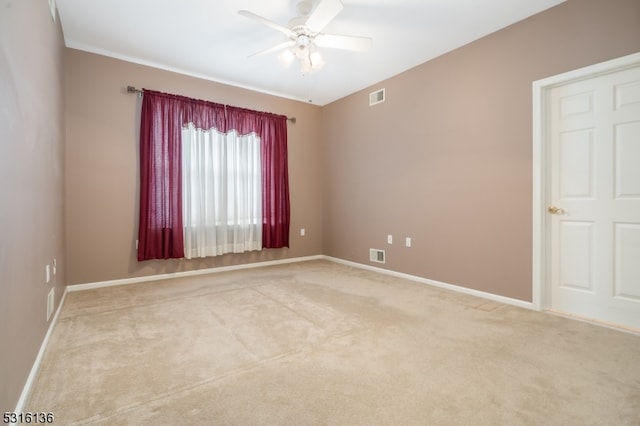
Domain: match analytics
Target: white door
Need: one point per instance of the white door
(593, 209)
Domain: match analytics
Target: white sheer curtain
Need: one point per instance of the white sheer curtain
(222, 201)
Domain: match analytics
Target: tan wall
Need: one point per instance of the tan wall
(31, 184)
(447, 159)
(102, 167)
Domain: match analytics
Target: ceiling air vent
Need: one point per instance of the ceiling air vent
(376, 97)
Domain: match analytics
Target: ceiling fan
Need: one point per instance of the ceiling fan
(305, 34)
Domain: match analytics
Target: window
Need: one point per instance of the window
(221, 192)
(249, 208)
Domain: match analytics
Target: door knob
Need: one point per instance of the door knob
(555, 210)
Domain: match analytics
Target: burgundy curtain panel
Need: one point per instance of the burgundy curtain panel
(160, 234)
(275, 184)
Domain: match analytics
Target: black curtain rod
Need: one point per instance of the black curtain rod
(131, 89)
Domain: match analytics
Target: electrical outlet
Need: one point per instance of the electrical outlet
(302, 232)
(47, 270)
(50, 303)
(407, 242)
(389, 239)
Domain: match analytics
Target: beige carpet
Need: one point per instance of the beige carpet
(321, 343)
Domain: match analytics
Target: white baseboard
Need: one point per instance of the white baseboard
(26, 390)
(452, 287)
(125, 281)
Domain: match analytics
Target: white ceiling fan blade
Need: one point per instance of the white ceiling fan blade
(334, 41)
(286, 31)
(280, 46)
(323, 14)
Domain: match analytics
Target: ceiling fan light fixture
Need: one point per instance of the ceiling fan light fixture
(301, 52)
(306, 66)
(316, 60)
(305, 36)
(286, 57)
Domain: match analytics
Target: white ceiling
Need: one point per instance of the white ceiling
(208, 39)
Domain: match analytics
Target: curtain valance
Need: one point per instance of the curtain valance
(211, 115)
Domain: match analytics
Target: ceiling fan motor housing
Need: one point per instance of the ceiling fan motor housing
(303, 43)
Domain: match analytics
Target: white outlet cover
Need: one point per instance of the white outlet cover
(389, 239)
(48, 273)
(408, 242)
(50, 303)
(52, 9)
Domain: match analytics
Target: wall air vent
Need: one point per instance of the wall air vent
(376, 97)
(376, 255)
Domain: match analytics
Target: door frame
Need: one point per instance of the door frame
(541, 291)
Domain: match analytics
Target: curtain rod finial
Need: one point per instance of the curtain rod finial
(132, 89)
